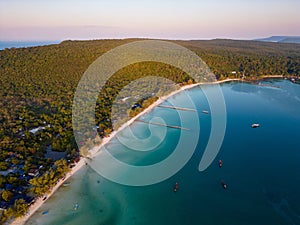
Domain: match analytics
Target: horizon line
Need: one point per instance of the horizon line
(141, 37)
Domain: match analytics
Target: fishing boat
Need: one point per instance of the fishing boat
(220, 163)
(175, 187)
(224, 185)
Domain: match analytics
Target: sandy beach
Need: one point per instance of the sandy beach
(106, 140)
(96, 150)
(39, 201)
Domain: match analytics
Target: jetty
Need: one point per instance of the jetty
(177, 108)
(163, 125)
(268, 85)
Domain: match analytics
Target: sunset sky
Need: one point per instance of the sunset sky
(176, 19)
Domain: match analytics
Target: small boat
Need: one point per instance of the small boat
(205, 111)
(255, 125)
(45, 212)
(224, 185)
(66, 184)
(220, 163)
(76, 206)
(175, 187)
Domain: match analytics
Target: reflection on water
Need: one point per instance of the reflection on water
(284, 97)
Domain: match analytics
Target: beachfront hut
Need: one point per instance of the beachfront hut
(33, 172)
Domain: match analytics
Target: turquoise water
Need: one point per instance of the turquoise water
(260, 166)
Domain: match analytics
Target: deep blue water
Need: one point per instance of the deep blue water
(261, 167)
(23, 44)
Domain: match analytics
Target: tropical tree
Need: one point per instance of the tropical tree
(6, 195)
(20, 207)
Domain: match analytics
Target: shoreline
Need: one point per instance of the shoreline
(106, 140)
(39, 201)
(96, 149)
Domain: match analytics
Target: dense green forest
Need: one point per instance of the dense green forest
(37, 86)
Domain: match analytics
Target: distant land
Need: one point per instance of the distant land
(25, 44)
(281, 39)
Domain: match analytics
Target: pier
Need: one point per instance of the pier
(268, 85)
(177, 108)
(163, 125)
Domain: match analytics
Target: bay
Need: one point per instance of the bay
(260, 166)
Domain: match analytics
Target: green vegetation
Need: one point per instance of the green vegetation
(251, 58)
(143, 104)
(19, 208)
(42, 184)
(6, 195)
(38, 85)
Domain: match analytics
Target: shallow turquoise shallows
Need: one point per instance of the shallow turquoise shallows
(261, 168)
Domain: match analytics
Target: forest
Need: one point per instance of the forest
(37, 86)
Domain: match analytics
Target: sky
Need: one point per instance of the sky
(36, 20)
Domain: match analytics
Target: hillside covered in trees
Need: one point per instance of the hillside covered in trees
(37, 86)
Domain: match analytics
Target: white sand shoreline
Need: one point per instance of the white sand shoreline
(95, 150)
(39, 201)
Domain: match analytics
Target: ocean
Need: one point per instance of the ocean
(260, 167)
(23, 44)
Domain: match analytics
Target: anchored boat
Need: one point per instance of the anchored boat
(255, 125)
(220, 163)
(76, 206)
(175, 187)
(224, 185)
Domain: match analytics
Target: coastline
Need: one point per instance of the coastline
(39, 201)
(96, 149)
(106, 140)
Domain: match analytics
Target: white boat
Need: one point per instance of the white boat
(205, 111)
(255, 125)
(66, 184)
